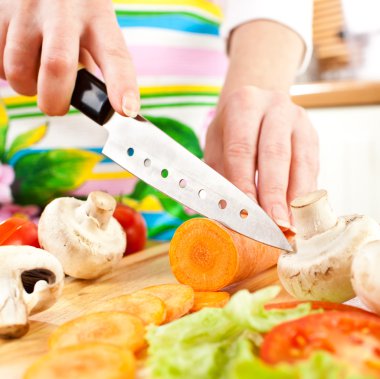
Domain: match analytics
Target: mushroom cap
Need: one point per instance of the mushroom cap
(31, 281)
(365, 275)
(40, 272)
(321, 267)
(85, 248)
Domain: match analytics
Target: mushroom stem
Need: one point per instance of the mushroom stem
(13, 310)
(101, 206)
(313, 214)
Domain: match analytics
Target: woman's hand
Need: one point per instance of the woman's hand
(42, 41)
(262, 131)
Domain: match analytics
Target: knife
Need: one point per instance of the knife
(144, 150)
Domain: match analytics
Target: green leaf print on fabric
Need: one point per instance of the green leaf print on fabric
(180, 132)
(27, 139)
(43, 176)
(3, 130)
(184, 135)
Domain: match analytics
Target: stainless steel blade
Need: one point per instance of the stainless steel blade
(150, 154)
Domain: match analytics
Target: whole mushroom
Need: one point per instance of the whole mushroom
(31, 280)
(320, 269)
(83, 235)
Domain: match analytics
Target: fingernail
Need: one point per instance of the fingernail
(280, 216)
(130, 105)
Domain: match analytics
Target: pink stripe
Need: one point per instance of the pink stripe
(3, 83)
(115, 187)
(161, 60)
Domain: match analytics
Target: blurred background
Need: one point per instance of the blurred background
(341, 92)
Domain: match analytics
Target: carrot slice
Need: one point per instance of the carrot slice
(178, 298)
(208, 256)
(86, 361)
(149, 308)
(116, 328)
(209, 300)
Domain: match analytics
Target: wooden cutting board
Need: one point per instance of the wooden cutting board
(146, 268)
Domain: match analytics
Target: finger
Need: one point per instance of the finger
(213, 151)
(58, 69)
(242, 120)
(3, 36)
(86, 60)
(274, 164)
(105, 42)
(21, 54)
(304, 166)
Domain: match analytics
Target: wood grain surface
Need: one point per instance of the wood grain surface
(148, 267)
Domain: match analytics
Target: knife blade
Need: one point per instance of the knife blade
(147, 152)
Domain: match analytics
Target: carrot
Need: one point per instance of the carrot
(178, 298)
(149, 308)
(208, 256)
(209, 300)
(86, 361)
(115, 328)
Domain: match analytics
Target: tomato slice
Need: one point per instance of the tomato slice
(352, 337)
(325, 305)
(18, 231)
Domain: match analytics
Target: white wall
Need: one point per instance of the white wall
(350, 157)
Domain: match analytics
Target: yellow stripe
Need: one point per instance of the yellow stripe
(110, 175)
(179, 88)
(17, 100)
(201, 4)
(25, 100)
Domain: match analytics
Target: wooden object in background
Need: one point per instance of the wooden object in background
(330, 48)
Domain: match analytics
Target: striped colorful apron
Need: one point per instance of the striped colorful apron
(180, 64)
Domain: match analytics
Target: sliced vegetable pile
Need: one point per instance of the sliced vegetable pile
(246, 339)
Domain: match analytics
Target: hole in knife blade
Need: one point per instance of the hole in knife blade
(164, 173)
(243, 213)
(222, 204)
(202, 194)
(147, 162)
(182, 183)
(130, 151)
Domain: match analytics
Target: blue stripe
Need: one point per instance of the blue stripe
(183, 23)
(20, 154)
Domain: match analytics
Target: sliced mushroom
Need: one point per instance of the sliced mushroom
(31, 280)
(320, 269)
(83, 235)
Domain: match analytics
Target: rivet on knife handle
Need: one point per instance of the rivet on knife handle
(90, 97)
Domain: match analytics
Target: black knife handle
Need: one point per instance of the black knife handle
(90, 97)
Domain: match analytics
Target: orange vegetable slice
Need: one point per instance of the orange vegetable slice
(115, 328)
(86, 361)
(209, 300)
(178, 298)
(149, 308)
(208, 256)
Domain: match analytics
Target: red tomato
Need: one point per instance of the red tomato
(134, 226)
(325, 305)
(352, 337)
(19, 231)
